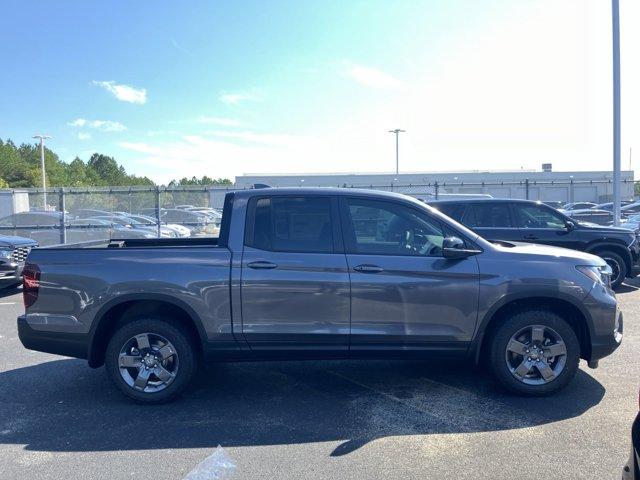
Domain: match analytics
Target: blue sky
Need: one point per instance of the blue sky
(224, 88)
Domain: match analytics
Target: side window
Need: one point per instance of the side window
(489, 215)
(293, 224)
(453, 210)
(536, 216)
(382, 228)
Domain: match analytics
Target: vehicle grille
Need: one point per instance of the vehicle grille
(20, 254)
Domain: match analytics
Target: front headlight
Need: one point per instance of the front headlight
(5, 254)
(601, 275)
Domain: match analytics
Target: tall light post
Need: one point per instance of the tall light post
(615, 24)
(397, 131)
(44, 183)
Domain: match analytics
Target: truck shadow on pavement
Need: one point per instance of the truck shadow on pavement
(64, 405)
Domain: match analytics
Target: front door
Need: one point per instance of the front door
(404, 294)
(295, 283)
(542, 224)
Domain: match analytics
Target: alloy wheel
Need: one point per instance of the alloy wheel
(148, 362)
(536, 355)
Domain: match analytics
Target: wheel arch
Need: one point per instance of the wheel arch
(619, 248)
(569, 310)
(127, 307)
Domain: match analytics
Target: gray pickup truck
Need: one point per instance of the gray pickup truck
(321, 273)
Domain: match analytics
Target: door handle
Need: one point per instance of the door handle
(530, 237)
(368, 268)
(262, 265)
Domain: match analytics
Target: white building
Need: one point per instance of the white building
(535, 185)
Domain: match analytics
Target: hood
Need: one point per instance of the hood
(561, 254)
(13, 242)
(592, 227)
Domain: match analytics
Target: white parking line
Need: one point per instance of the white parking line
(8, 303)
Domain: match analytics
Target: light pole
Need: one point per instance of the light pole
(44, 184)
(615, 24)
(397, 131)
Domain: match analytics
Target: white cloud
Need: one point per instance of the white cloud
(78, 122)
(84, 136)
(267, 139)
(235, 98)
(124, 93)
(104, 125)
(223, 122)
(371, 77)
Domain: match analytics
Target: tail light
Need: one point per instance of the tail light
(30, 284)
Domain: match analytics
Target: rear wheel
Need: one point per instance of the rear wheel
(151, 360)
(534, 352)
(618, 267)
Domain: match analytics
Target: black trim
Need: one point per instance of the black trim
(225, 225)
(67, 344)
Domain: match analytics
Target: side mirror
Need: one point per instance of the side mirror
(570, 226)
(453, 247)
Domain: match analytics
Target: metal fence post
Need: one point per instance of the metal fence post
(526, 188)
(436, 188)
(158, 209)
(571, 195)
(62, 206)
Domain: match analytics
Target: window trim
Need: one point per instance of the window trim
(249, 226)
(350, 242)
(543, 207)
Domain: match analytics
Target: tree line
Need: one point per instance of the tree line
(20, 168)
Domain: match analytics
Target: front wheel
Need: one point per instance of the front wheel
(151, 360)
(618, 267)
(534, 353)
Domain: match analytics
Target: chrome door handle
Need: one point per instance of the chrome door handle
(368, 268)
(262, 265)
(530, 237)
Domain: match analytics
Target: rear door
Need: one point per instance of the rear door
(294, 280)
(405, 296)
(491, 220)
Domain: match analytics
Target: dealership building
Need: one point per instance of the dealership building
(545, 185)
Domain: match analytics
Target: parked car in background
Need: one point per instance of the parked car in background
(197, 223)
(13, 253)
(577, 206)
(132, 224)
(631, 470)
(631, 223)
(535, 222)
(90, 212)
(179, 230)
(554, 203)
(591, 215)
(213, 215)
(43, 227)
(322, 273)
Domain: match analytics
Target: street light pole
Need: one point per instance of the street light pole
(615, 24)
(44, 184)
(397, 131)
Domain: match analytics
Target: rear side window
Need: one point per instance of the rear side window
(488, 215)
(453, 210)
(292, 224)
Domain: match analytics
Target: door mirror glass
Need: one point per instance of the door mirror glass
(454, 247)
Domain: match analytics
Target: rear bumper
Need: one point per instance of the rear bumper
(67, 344)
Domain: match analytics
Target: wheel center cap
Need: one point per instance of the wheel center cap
(149, 361)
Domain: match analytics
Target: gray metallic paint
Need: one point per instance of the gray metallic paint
(316, 302)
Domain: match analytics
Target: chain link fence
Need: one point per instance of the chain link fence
(94, 216)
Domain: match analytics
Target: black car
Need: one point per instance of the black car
(13, 252)
(631, 470)
(535, 222)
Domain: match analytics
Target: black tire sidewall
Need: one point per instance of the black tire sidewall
(173, 332)
(621, 265)
(502, 335)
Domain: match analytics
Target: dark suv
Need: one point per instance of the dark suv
(535, 222)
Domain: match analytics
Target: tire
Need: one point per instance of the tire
(155, 370)
(508, 366)
(616, 262)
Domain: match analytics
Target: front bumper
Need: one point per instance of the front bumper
(606, 323)
(10, 273)
(59, 343)
(604, 345)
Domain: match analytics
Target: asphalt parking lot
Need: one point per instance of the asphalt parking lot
(343, 420)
